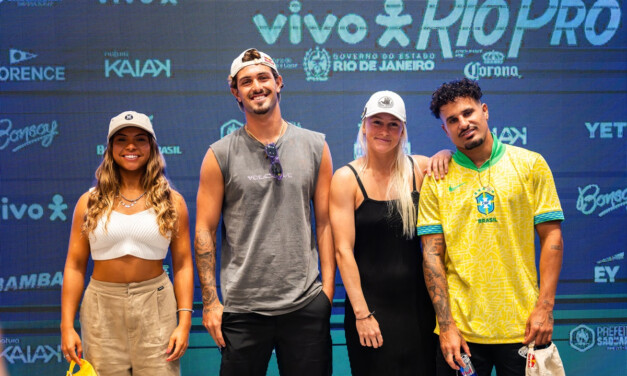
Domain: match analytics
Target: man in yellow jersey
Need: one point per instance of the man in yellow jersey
(477, 227)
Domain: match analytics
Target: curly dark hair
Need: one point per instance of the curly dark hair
(450, 91)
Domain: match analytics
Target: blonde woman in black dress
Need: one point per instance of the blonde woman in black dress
(389, 318)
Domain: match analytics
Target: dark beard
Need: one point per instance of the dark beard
(261, 110)
(474, 144)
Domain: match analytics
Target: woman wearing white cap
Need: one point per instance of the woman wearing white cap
(126, 223)
(389, 318)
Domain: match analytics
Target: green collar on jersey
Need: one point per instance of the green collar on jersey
(498, 150)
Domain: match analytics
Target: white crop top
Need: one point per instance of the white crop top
(135, 234)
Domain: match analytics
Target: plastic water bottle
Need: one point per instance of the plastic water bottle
(466, 369)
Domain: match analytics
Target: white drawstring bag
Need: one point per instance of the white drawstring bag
(544, 361)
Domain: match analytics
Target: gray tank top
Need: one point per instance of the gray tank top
(269, 261)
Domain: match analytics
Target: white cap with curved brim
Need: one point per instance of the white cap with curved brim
(130, 119)
(387, 102)
(238, 64)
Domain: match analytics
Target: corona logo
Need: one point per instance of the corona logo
(492, 68)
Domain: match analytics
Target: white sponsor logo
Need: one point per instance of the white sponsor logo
(137, 68)
(511, 135)
(16, 139)
(17, 211)
(33, 3)
(286, 175)
(606, 129)
(143, 2)
(612, 337)
(20, 73)
(32, 354)
(165, 150)
(591, 199)
(582, 338)
(230, 127)
(474, 22)
(607, 273)
(31, 281)
(491, 68)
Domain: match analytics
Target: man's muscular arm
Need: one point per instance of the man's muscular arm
(433, 249)
(539, 327)
(205, 246)
(208, 209)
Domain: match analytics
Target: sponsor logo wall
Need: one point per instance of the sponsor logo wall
(554, 75)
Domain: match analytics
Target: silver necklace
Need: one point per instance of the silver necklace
(131, 202)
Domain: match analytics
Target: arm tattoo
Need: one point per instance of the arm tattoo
(435, 279)
(556, 247)
(205, 248)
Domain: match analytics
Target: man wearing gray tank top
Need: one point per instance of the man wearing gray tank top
(262, 180)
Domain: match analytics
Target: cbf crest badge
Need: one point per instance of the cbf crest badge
(485, 200)
(317, 64)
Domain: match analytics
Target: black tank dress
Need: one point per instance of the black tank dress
(390, 268)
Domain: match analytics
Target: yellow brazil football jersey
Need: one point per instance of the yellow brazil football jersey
(487, 216)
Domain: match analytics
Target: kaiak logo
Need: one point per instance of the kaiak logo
(511, 135)
(16, 71)
(117, 64)
(32, 354)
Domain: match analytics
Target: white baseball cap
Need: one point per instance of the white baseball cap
(387, 102)
(238, 64)
(130, 119)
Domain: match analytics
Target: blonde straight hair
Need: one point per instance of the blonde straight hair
(158, 191)
(401, 174)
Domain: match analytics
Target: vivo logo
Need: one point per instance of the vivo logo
(471, 19)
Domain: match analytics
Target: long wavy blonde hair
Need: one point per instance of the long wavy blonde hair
(108, 181)
(401, 174)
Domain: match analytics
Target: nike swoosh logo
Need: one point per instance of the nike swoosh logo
(451, 189)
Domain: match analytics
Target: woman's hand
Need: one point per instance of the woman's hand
(178, 343)
(71, 346)
(369, 332)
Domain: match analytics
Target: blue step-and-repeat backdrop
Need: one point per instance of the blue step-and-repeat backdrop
(554, 74)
